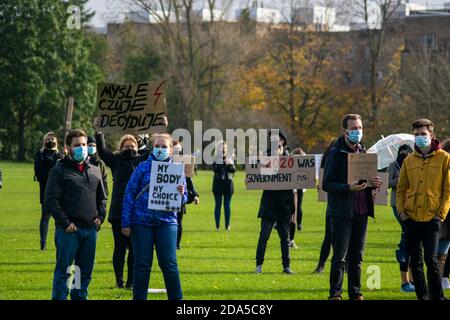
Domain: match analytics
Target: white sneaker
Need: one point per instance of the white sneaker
(445, 284)
(259, 269)
(293, 245)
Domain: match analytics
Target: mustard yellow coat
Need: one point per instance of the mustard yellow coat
(423, 189)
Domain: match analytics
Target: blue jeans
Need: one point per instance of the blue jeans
(402, 252)
(43, 225)
(164, 239)
(218, 207)
(74, 248)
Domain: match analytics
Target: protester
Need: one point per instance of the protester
(223, 186)
(349, 205)
(76, 199)
(423, 201)
(444, 241)
(95, 160)
(192, 196)
(276, 206)
(151, 228)
(45, 160)
(122, 164)
(326, 243)
(402, 252)
(296, 221)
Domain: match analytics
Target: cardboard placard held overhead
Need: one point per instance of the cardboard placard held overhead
(189, 163)
(381, 196)
(280, 173)
(164, 180)
(362, 166)
(69, 113)
(322, 195)
(131, 108)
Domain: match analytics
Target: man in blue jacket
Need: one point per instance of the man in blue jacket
(349, 206)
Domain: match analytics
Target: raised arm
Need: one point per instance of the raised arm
(106, 155)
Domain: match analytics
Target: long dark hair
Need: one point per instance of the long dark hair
(401, 156)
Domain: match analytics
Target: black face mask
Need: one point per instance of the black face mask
(50, 144)
(129, 153)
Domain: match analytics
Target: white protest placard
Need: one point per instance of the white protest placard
(164, 180)
(381, 195)
(280, 172)
(189, 164)
(362, 166)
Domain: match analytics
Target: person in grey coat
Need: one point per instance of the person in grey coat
(401, 253)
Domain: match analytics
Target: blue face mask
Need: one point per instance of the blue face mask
(161, 154)
(92, 150)
(80, 153)
(423, 141)
(355, 136)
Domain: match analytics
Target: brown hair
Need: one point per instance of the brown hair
(423, 123)
(74, 133)
(446, 145)
(164, 136)
(299, 151)
(347, 117)
(126, 138)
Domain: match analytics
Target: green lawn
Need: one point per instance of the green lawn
(213, 265)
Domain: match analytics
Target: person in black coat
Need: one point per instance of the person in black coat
(122, 164)
(95, 160)
(277, 206)
(193, 196)
(349, 205)
(223, 186)
(45, 160)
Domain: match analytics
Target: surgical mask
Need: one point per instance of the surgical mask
(161, 154)
(80, 153)
(423, 141)
(355, 136)
(92, 150)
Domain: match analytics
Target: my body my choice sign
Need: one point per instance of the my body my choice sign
(164, 180)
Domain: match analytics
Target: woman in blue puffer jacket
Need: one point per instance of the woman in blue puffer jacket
(152, 228)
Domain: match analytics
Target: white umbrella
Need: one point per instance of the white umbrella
(387, 148)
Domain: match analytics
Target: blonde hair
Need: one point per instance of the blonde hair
(163, 136)
(51, 133)
(125, 138)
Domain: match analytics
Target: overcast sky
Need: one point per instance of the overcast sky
(106, 9)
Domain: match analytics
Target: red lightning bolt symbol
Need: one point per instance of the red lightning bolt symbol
(158, 93)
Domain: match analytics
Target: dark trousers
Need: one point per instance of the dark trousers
(218, 206)
(163, 238)
(426, 235)
(446, 273)
(43, 225)
(121, 244)
(180, 227)
(299, 215)
(402, 252)
(264, 235)
(348, 239)
(76, 248)
(326, 243)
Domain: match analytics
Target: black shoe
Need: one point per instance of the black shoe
(43, 246)
(287, 270)
(178, 247)
(319, 269)
(129, 285)
(119, 285)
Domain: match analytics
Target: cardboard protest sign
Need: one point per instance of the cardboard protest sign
(69, 113)
(189, 163)
(280, 173)
(131, 108)
(381, 196)
(164, 180)
(322, 195)
(362, 166)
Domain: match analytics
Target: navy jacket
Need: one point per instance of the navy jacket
(340, 198)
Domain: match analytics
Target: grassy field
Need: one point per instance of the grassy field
(213, 264)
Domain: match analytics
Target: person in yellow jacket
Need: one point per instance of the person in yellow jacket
(423, 201)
